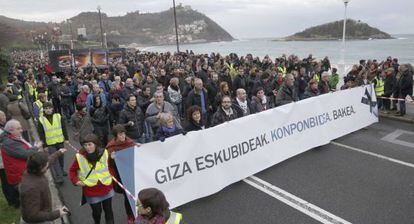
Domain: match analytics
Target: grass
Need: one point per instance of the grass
(8, 215)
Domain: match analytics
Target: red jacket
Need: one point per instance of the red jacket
(15, 153)
(95, 191)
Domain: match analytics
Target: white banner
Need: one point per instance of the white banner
(201, 163)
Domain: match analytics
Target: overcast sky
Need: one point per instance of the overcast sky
(241, 18)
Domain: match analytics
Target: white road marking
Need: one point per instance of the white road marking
(392, 137)
(299, 204)
(374, 154)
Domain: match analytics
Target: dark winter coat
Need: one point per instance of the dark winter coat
(405, 84)
(35, 197)
(220, 116)
(285, 95)
(239, 110)
(135, 115)
(257, 105)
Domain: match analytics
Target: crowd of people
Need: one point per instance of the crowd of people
(149, 97)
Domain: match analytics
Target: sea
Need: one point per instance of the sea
(402, 47)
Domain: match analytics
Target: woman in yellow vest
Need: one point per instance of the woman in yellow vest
(153, 208)
(91, 171)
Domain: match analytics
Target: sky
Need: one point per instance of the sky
(241, 18)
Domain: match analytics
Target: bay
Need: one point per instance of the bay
(402, 47)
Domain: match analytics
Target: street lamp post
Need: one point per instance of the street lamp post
(100, 24)
(176, 29)
(105, 41)
(71, 34)
(342, 61)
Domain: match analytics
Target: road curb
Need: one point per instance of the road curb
(407, 119)
(56, 199)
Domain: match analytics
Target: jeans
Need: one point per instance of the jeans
(57, 165)
(9, 191)
(106, 205)
(402, 107)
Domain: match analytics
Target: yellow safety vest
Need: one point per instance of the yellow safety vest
(36, 93)
(39, 105)
(20, 94)
(315, 77)
(99, 173)
(175, 218)
(283, 70)
(53, 132)
(379, 87)
(32, 90)
(232, 70)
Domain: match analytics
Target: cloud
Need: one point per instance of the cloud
(242, 18)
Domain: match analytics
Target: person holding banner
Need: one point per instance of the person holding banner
(119, 142)
(224, 113)
(153, 208)
(194, 119)
(90, 170)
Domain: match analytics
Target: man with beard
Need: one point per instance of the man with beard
(52, 132)
(224, 113)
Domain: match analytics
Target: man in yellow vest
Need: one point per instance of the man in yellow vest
(53, 134)
(379, 89)
(38, 106)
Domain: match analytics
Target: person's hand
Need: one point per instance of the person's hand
(63, 211)
(63, 150)
(130, 123)
(113, 155)
(80, 183)
(66, 142)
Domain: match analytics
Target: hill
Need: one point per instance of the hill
(135, 27)
(355, 30)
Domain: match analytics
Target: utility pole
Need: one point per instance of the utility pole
(100, 24)
(176, 28)
(71, 34)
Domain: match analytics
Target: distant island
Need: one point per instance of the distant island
(133, 28)
(355, 30)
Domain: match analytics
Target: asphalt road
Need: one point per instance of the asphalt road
(353, 185)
